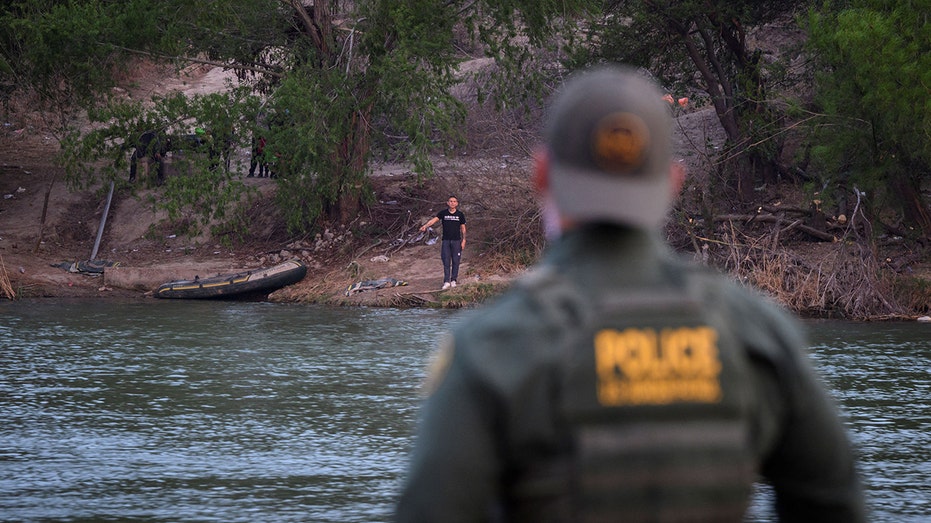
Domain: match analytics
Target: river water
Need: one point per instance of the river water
(243, 412)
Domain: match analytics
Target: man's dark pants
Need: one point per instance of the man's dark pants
(451, 253)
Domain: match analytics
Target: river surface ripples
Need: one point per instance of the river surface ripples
(243, 412)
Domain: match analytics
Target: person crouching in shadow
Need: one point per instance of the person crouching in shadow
(151, 147)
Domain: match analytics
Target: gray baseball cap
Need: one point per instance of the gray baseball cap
(609, 137)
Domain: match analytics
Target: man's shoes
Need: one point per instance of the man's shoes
(446, 285)
(452, 283)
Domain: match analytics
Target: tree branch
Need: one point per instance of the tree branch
(712, 85)
(779, 221)
(190, 59)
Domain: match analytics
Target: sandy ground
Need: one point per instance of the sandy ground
(146, 259)
(149, 253)
(146, 254)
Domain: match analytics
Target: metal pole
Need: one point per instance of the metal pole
(103, 222)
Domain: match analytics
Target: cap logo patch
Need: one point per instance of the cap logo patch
(619, 142)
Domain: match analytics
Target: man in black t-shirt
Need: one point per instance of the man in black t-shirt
(454, 239)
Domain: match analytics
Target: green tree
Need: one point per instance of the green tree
(50, 51)
(873, 84)
(334, 82)
(331, 82)
(703, 46)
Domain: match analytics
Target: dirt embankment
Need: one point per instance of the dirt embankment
(812, 277)
(146, 251)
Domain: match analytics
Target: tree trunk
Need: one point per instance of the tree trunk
(701, 39)
(746, 177)
(914, 209)
(48, 195)
(715, 86)
(352, 153)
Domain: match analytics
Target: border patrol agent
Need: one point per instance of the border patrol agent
(617, 382)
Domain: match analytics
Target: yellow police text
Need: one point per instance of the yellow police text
(645, 367)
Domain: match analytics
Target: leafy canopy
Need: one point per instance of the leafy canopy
(873, 81)
(329, 84)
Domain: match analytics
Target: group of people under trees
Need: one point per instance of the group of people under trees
(258, 158)
(152, 146)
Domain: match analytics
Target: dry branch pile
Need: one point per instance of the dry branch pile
(844, 280)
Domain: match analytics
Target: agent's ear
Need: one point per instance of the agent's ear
(541, 170)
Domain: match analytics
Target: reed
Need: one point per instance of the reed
(6, 288)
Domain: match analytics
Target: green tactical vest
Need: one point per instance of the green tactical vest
(655, 395)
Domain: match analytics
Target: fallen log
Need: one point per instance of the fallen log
(778, 220)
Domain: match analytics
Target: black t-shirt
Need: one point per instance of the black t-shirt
(451, 222)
